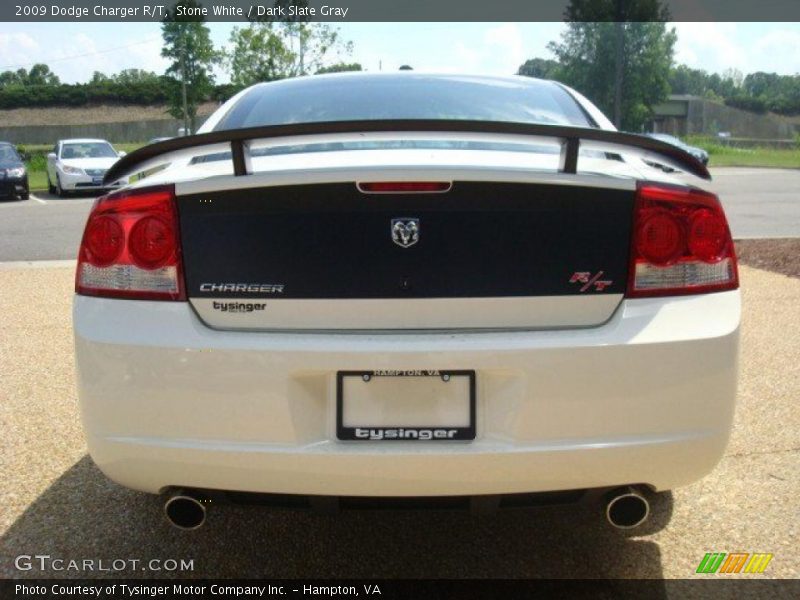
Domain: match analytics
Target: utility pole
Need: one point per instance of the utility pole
(618, 62)
(302, 46)
(183, 88)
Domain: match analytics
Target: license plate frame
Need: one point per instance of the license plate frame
(97, 181)
(438, 433)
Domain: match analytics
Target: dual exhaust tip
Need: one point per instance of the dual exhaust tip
(185, 511)
(625, 508)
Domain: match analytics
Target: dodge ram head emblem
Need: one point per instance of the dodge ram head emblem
(405, 232)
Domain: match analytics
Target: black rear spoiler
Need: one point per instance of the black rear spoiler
(238, 139)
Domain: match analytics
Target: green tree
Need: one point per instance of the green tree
(312, 43)
(187, 44)
(11, 78)
(99, 78)
(541, 68)
(135, 76)
(40, 74)
(339, 67)
(266, 51)
(619, 55)
(685, 80)
(258, 54)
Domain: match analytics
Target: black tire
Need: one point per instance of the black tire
(24, 196)
(60, 192)
(50, 187)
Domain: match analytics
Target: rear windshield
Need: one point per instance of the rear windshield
(404, 96)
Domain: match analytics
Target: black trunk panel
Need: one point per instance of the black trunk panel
(480, 239)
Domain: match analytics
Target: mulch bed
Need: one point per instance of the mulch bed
(779, 255)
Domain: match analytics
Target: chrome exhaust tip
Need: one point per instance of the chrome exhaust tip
(626, 508)
(185, 512)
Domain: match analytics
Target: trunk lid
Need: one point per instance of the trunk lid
(485, 254)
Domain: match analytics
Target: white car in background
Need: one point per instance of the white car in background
(80, 165)
(371, 286)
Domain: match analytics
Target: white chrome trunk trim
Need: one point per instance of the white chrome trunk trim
(405, 313)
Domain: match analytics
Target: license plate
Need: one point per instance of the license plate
(97, 180)
(383, 406)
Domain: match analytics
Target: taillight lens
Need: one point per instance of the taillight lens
(131, 248)
(681, 243)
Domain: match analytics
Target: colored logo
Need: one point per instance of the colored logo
(735, 562)
(588, 280)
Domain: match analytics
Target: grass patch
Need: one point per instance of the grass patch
(37, 162)
(37, 180)
(727, 156)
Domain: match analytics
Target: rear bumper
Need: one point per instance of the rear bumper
(646, 398)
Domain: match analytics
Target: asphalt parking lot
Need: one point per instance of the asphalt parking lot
(760, 203)
(55, 501)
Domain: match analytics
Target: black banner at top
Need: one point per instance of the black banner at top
(374, 10)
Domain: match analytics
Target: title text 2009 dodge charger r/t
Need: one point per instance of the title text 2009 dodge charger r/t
(407, 285)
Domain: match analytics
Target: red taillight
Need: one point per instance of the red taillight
(395, 187)
(681, 243)
(104, 240)
(151, 242)
(131, 248)
(660, 238)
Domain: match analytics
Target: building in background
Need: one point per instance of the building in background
(692, 115)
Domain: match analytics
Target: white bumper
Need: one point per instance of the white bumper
(77, 182)
(646, 398)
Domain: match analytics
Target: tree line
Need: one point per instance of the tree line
(259, 51)
(263, 50)
(617, 53)
(758, 92)
(620, 55)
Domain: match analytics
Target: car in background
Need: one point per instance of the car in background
(13, 175)
(698, 153)
(79, 165)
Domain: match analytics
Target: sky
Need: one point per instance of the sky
(75, 50)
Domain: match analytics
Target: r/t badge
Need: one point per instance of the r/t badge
(590, 281)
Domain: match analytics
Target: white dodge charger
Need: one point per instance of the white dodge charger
(403, 285)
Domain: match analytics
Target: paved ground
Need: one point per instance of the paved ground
(43, 227)
(54, 501)
(759, 203)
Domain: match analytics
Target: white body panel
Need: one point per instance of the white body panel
(648, 397)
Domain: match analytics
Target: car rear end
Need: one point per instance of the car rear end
(405, 323)
(244, 340)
